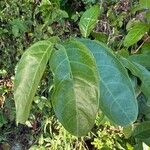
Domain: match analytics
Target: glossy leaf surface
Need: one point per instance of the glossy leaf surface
(117, 98)
(28, 75)
(76, 87)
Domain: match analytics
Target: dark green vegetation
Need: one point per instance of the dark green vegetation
(70, 77)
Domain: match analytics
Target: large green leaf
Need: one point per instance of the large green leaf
(29, 72)
(145, 4)
(142, 131)
(88, 20)
(135, 33)
(142, 73)
(76, 87)
(117, 97)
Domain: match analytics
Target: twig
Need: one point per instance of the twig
(141, 45)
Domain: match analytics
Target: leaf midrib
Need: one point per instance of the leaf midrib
(68, 60)
(72, 78)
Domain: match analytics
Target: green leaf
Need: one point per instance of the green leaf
(89, 20)
(28, 75)
(56, 3)
(76, 87)
(128, 131)
(123, 52)
(147, 16)
(18, 27)
(136, 33)
(145, 48)
(89, 1)
(146, 141)
(142, 59)
(117, 97)
(131, 24)
(142, 131)
(142, 73)
(145, 4)
(99, 36)
(141, 146)
(144, 109)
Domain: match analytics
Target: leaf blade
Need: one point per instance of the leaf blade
(141, 72)
(135, 34)
(88, 20)
(145, 4)
(142, 59)
(28, 75)
(142, 131)
(115, 86)
(75, 97)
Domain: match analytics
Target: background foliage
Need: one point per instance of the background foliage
(122, 25)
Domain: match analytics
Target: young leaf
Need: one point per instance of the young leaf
(142, 131)
(142, 73)
(117, 97)
(88, 20)
(145, 4)
(28, 75)
(136, 33)
(76, 87)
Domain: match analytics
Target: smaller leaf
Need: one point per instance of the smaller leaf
(145, 48)
(142, 59)
(144, 109)
(18, 27)
(147, 16)
(123, 52)
(142, 73)
(128, 130)
(131, 23)
(145, 4)
(88, 20)
(56, 3)
(100, 36)
(146, 141)
(136, 33)
(142, 131)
